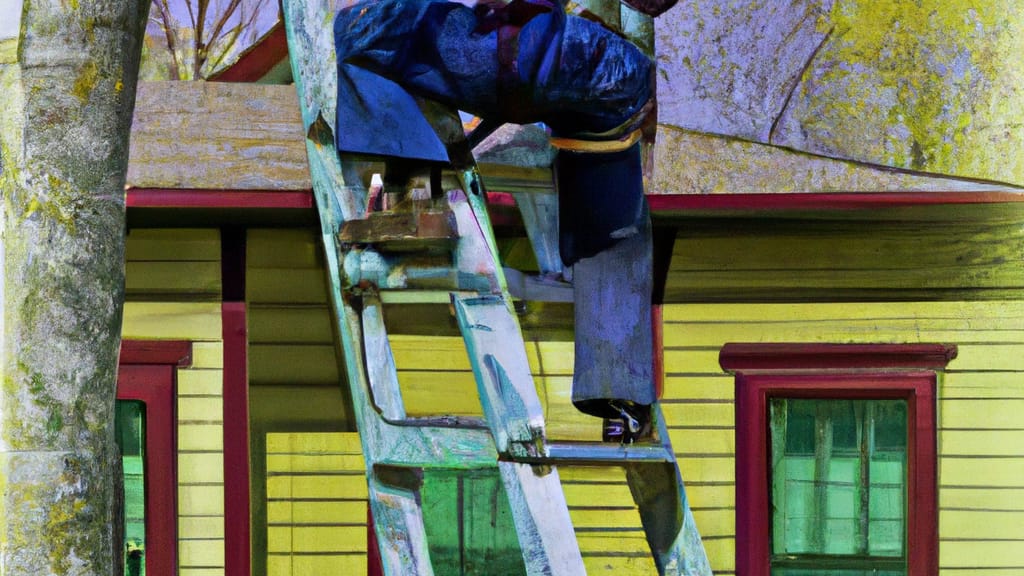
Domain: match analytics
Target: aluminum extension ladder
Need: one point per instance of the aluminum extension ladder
(511, 437)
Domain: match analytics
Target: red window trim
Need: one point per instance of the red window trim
(147, 373)
(850, 372)
(172, 352)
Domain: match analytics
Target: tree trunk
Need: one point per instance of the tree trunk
(67, 83)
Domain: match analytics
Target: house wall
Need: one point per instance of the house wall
(941, 274)
(316, 504)
(303, 432)
(173, 291)
(308, 496)
(980, 396)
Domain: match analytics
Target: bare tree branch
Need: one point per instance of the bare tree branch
(202, 6)
(216, 30)
(225, 46)
(170, 28)
(245, 30)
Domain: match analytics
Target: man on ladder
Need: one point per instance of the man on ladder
(525, 62)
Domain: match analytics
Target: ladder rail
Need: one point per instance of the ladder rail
(511, 437)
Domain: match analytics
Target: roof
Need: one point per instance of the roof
(221, 144)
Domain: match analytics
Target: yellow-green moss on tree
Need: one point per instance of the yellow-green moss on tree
(67, 83)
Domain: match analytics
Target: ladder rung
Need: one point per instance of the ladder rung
(593, 453)
(443, 421)
(419, 296)
(537, 289)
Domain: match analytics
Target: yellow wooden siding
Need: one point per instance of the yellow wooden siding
(980, 408)
(963, 253)
(172, 264)
(200, 471)
(606, 521)
(316, 504)
(291, 340)
(435, 375)
(295, 385)
(200, 433)
(436, 378)
(172, 321)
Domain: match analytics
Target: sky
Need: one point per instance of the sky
(10, 18)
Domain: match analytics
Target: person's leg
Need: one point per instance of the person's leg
(606, 237)
(614, 348)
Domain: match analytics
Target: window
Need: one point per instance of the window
(130, 425)
(837, 479)
(835, 458)
(145, 433)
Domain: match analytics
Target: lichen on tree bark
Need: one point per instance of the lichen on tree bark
(68, 86)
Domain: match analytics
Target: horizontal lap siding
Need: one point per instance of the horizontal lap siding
(302, 490)
(316, 504)
(173, 287)
(435, 375)
(291, 339)
(606, 520)
(980, 406)
(172, 264)
(436, 378)
(828, 260)
(607, 523)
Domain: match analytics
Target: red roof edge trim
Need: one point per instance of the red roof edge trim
(206, 198)
(259, 59)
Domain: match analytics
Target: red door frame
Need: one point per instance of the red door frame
(146, 373)
(834, 371)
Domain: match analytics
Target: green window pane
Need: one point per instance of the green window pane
(468, 520)
(130, 429)
(838, 486)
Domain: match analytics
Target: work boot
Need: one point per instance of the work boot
(633, 423)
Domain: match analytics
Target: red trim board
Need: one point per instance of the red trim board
(666, 203)
(660, 204)
(175, 352)
(237, 559)
(788, 356)
(211, 198)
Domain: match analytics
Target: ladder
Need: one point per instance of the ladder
(371, 259)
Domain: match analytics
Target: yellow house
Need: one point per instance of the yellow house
(860, 320)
